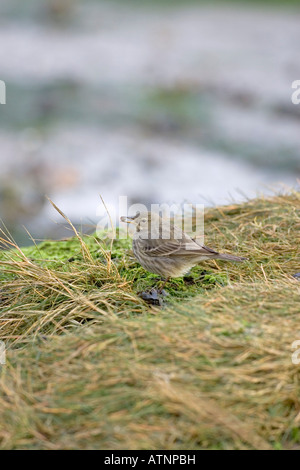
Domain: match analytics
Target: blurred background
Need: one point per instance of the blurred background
(160, 101)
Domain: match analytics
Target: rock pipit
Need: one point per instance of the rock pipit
(164, 249)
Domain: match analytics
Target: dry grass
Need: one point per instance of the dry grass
(49, 296)
(93, 367)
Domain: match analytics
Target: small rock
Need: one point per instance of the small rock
(153, 297)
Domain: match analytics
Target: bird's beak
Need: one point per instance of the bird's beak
(127, 220)
(130, 220)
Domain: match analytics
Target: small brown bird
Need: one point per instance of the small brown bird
(164, 249)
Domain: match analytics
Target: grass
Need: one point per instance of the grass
(91, 366)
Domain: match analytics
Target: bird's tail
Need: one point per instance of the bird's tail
(230, 257)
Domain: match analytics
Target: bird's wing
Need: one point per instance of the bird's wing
(210, 250)
(161, 247)
(175, 247)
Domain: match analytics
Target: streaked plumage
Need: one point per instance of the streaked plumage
(164, 249)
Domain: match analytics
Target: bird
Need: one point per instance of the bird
(164, 249)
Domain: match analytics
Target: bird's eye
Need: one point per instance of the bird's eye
(143, 221)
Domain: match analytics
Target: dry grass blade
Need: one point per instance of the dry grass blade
(85, 251)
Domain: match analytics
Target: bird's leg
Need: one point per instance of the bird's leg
(165, 281)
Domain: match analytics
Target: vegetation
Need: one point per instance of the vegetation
(91, 365)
